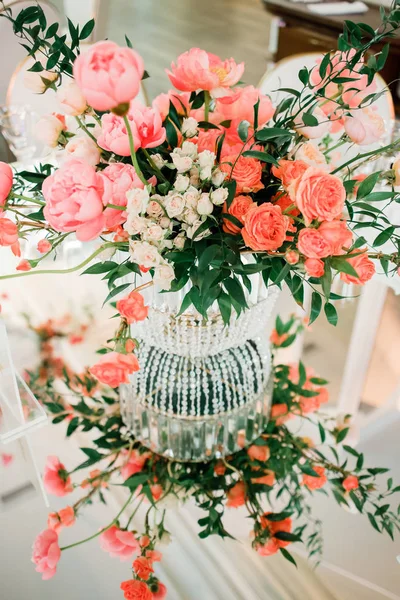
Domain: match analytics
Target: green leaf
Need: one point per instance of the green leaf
(316, 305)
(273, 133)
(243, 130)
(322, 433)
(72, 426)
(368, 185)
(384, 236)
(207, 256)
(331, 313)
(309, 119)
(225, 307)
(373, 522)
(263, 156)
(304, 76)
(103, 267)
(288, 556)
(286, 536)
(128, 42)
(231, 187)
(116, 291)
(343, 266)
(235, 290)
(342, 435)
(87, 30)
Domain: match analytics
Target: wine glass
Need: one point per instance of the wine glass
(17, 126)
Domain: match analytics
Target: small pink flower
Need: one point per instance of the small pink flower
(179, 100)
(312, 244)
(236, 495)
(64, 518)
(364, 126)
(6, 459)
(108, 75)
(55, 479)
(46, 553)
(264, 227)
(269, 548)
(114, 368)
(24, 265)
(260, 453)
(119, 543)
(44, 246)
(337, 234)
(197, 69)
(6, 181)
(238, 209)
(74, 202)
(130, 345)
(144, 541)
(289, 171)
(134, 464)
(132, 308)
(8, 232)
(247, 173)
(350, 483)
(156, 491)
(314, 267)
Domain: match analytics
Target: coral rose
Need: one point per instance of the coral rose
(289, 170)
(132, 308)
(145, 124)
(315, 482)
(114, 368)
(108, 75)
(312, 244)
(24, 265)
(8, 232)
(318, 195)
(292, 257)
(314, 267)
(350, 483)
(236, 495)
(143, 567)
(280, 413)
(71, 99)
(119, 543)
(364, 126)
(260, 453)
(197, 69)
(274, 527)
(134, 464)
(269, 548)
(46, 553)
(73, 197)
(64, 518)
(238, 208)
(136, 590)
(161, 592)
(246, 172)
(44, 246)
(55, 477)
(6, 181)
(337, 234)
(264, 227)
(118, 179)
(363, 266)
(268, 478)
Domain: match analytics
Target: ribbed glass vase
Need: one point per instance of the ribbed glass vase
(204, 388)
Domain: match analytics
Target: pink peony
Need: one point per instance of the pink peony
(46, 553)
(364, 126)
(55, 477)
(264, 227)
(118, 178)
(134, 464)
(239, 104)
(179, 100)
(64, 518)
(74, 200)
(146, 127)
(108, 75)
(132, 308)
(71, 99)
(363, 266)
(6, 181)
(197, 69)
(318, 195)
(114, 368)
(8, 232)
(314, 267)
(119, 543)
(82, 148)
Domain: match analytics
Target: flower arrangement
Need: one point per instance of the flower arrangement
(210, 184)
(274, 479)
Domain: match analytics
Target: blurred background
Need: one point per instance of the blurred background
(360, 357)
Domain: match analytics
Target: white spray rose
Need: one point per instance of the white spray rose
(165, 222)
(155, 206)
(189, 127)
(194, 177)
(71, 99)
(81, 147)
(144, 254)
(182, 163)
(163, 276)
(134, 224)
(48, 130)
(188, 149)
(206, 159)
(219, 196)
(205, 173)
(138, 200)
(34, 82)
(190, 216)
(181, 183)
(174, 204)
(158, 160)
(218, 177)
(153, 233)
(179, 241)
(205, 206)
(191, 231)
(191, 197)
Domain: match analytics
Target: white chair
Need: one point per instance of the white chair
(11, 51)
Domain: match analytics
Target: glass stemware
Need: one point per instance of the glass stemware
(17, 126)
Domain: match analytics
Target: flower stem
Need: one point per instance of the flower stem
(101, 530)
(153, 165)
(133, 152)
(28, 199)
(85, 129)
(60, 271)
(207, 99)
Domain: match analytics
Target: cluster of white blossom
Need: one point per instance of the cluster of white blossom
(165, 222)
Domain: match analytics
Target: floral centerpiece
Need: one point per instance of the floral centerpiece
(273, 480)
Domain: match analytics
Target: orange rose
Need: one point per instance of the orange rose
(132, 308)
(142, 567)
(238, 209)
(264, 227)
(136, 590)
(364, 267)
(267, 479)
(289, 170)
(113, 368)
(337, 234)
(260, 453)
(236, 496)
(350, 483)
(318, 195)
(315, 482)
(312, 244)
(246, 172)
(314, 267)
